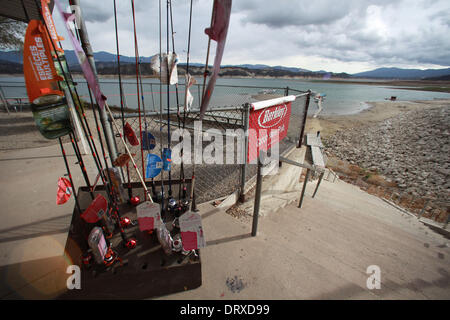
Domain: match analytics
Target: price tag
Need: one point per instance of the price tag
(191, 231)
(149, 215)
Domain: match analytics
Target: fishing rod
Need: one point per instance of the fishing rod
(160, 104)
(178, 113)
(121, 92)
(131, 242)
(76, 149)
(77, 203)
(199, 134)
(102, 103)
(86, 131)
(84, 125)
(183, 195)
(206, 73)
(168, 99)
(139, 80)
(138, 86)
(173, 50)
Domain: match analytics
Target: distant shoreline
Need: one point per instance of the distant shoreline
(420, 85)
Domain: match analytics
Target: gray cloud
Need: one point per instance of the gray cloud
(93, 13)
(291, 32)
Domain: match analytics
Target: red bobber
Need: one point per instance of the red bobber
(131, 243)
(125, 222)
(135, 200)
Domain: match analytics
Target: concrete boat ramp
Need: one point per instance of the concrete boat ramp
(335, 247)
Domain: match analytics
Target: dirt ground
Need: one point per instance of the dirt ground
(379, 111)
(369, 181)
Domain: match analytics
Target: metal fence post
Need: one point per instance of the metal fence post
(245, 115)
(300, 201)
(318, 184)
(305, 113)
(257, 198)
(4, 100)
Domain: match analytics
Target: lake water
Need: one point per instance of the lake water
(341, 98)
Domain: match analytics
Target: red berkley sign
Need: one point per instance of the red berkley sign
(267, 127)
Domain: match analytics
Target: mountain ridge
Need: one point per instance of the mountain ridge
(107, 63)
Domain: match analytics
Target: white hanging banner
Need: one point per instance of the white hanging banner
(168, 62)
(190, 81)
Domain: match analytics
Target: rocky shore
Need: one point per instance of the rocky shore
(411, 149)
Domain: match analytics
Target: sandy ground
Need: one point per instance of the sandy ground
(378, 111)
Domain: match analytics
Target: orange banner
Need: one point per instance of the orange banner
(38, 66)
(46, 13)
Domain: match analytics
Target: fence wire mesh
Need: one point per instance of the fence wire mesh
(224, 118)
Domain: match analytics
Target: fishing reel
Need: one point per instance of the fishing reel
(111, 257)
(86, 259)
(181, 208)
(177, 244)
(126, 222)
(131, 243)
(184, 206)
(172, 205)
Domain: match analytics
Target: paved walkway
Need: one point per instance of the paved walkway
(321, 251)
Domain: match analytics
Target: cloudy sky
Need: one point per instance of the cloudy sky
(339, 36)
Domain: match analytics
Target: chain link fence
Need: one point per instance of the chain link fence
(222, 121)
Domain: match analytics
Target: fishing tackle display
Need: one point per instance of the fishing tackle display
(58, 109)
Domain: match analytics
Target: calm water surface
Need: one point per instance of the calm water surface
(341, 98)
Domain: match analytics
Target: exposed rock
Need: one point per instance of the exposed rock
(411, 149)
